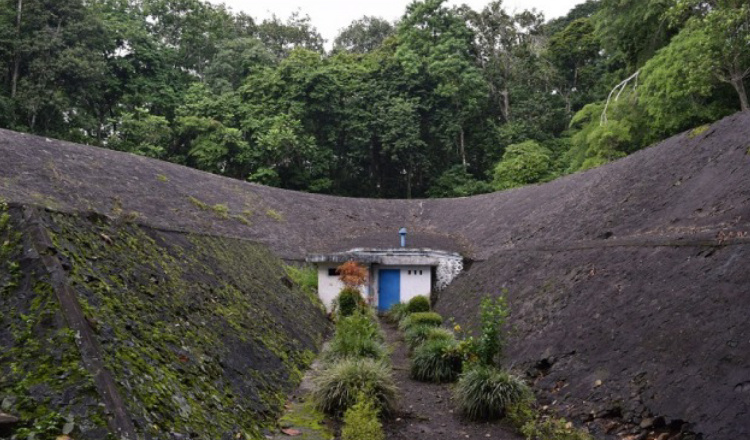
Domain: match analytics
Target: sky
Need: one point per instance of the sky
(330, 16)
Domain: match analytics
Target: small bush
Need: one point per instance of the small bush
(336, 388)
(418, 304)
(418, 334)
(397, 312)
(361, 421)
(356, 336)
(349, 300)
(436, 361)
(484, 393)
(427, 318)
(415, 335)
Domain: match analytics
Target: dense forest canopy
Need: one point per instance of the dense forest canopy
(448, 101)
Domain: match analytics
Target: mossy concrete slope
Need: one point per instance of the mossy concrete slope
(186, 335)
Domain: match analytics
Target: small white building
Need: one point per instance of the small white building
(394, 275)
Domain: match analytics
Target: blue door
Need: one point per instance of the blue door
(389, 284)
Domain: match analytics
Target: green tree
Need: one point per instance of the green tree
(522, 164)
(363, 35)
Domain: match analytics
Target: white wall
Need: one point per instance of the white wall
(413, 283)
(329, 286)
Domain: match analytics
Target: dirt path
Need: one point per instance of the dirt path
(425, 410)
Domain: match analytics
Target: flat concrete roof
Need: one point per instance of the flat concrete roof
(391, 256)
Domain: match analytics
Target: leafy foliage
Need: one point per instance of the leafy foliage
(419, 303)
(361, 421)
(397, 312)
(357, 336)
(352, 274)
(349, 301)
(437, 104)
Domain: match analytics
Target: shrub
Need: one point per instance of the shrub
(349, 300)
(428, 318)
(436, 361)
(418, 304)
(352, 274)
(418, 334)
(361, 421)
(492, 315)
(336, 388)
(485, 393)
(397, 312)
(356, 336)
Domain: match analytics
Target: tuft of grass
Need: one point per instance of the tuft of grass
(697, 131)
(336, 388)
(198, 203)
(162, 178)
(436, 361)
(485, 392)
(361, 421)
(427, 318)
(274, 215)
(419, 303)
(419, 334)
(221, 210)
(397, 313)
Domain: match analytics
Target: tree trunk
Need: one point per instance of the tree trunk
(408, 183)
(462, 146)
(506, 104)
(16, 56)
(739, 86)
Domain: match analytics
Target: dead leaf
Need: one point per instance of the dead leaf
(291, 432)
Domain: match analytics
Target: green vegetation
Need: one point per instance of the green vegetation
(484, 393)
(304, 417)
(349, 301)
(415, 335)
(162, 178)
(436, 360)
(361, 420)
(357, 336)
(533, 425)
(492, 316)
(337, 387)
(168, 318)
(274, 215)
(451, 101)
(397, 312)
(421, 318)
(417, 304)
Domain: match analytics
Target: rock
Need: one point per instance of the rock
(647, 423)
(597, 384)
(7, 419)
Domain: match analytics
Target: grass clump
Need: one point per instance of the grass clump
(485, 392)
(337, 387)
(397, 312)
(436, 361)
(349, 301)
(274, 215)
(418, 304)
(418, 334)
(426, 318)
(361, 421)
(357, 336)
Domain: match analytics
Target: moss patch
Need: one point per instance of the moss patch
(202, 334)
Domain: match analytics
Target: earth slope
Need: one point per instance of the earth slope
(628, 282)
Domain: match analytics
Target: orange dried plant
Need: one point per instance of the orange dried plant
(352, 274)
